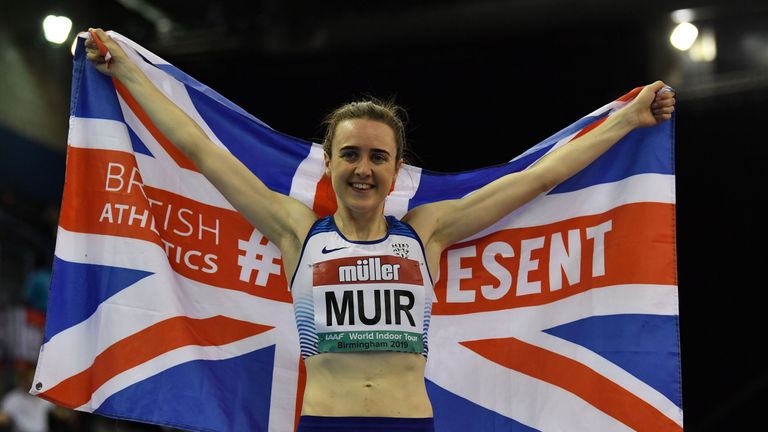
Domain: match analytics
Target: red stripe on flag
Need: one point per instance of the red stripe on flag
(588, 128)
(625, 98)
(631, 95)
(630, 244)
(145, 345)
(325, 198)
(300, 392)
(576, 378)
(175, 154)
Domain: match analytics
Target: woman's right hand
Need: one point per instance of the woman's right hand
(117, 63)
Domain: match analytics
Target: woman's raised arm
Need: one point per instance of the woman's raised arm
(284, 220)
(443, 223)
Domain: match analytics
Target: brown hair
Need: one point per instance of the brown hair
(386, 112)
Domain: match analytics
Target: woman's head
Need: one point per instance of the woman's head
(386, 112)
(363, 153)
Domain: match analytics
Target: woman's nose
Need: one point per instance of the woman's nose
(363, 168)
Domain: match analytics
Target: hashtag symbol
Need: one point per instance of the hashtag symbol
(260, 255)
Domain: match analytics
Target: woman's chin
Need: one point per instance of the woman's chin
(362, 206)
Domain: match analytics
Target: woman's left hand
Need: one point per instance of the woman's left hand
(653, 105)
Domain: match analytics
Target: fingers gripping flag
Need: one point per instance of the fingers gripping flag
(167, 307)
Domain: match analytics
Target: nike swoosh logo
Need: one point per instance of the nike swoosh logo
(327, 251)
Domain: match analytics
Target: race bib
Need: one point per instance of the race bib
(372, 303)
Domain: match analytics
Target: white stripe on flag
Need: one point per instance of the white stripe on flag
(406, 185)
(94, 249)
(597, 199)
(308, 174)
(611, 300)
(99, 134)
(285, 379)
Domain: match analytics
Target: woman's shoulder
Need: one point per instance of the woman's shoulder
(322, 224)
(401, 227)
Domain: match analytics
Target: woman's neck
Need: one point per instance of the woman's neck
(361, 227)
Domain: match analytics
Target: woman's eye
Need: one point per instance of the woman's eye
(348, 155)
(379, 158)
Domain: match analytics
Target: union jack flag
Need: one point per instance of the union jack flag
(167, 307)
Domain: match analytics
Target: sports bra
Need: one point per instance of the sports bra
(353, 296)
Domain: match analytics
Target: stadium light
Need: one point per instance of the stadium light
(56, 28)
(683, 36)
(682, 15)
(705, 49)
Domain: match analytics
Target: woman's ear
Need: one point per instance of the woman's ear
(327, 164)
(398, 165)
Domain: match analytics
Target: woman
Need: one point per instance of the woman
(362, 282)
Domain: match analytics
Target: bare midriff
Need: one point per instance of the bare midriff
(366, 384)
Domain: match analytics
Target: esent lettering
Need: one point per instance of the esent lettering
(514, 276)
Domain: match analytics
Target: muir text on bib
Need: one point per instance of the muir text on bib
(369, 303)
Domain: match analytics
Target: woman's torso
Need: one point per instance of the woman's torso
(373, 296)
(377, 384)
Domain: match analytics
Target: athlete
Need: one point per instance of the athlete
(362, 282)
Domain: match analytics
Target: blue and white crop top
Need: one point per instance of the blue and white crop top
(352, 296)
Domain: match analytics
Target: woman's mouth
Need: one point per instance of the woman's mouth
(361, 186)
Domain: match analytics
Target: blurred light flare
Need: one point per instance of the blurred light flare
(56, 28)
(705, 48)
(683, 36)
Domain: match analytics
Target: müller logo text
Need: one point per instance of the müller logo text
(369, 269)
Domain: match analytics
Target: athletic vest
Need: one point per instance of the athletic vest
(352, 296)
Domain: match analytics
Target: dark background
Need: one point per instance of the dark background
(482, 81)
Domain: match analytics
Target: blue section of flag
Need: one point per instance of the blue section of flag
(435, 186)
(271, 155)
(454, 413)
(78, 289)
(93, 94)
(644, 345)
(137, 144)
(202, 395)
(642, 151)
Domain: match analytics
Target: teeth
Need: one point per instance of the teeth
(361, 186)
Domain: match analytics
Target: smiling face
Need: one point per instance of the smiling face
(363, 164)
